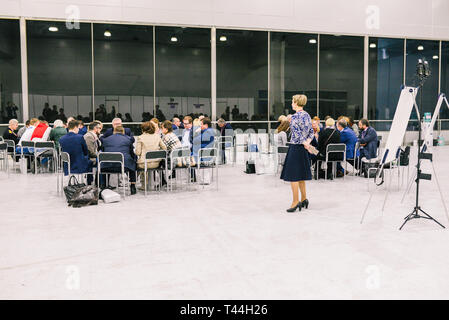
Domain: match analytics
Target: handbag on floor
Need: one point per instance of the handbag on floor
(250, 167)
(79, 195)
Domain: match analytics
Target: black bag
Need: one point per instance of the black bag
(72, 188)
(250, 167)
(85, 196)
(79, 195)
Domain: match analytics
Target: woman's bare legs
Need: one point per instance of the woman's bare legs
(295, 189)
(302, 187)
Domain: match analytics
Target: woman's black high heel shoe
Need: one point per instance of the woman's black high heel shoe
(305, 204)
(298, 206)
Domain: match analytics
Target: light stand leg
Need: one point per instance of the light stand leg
(409, 186)
(367, 205)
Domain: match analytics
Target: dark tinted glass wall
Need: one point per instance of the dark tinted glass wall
(123, 63)
(386, 73)
(341, 76)
(242, 75)
(444, 114)
(59, 70)
(10, 71)
(429, 50)
(183, 72)
(293, 70)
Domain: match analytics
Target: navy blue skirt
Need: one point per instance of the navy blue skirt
(297, 164)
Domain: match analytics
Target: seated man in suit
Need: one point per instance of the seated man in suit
(205, 139)
(327, 136)
(115, 123)
(120, 142)
(368, 140)
(75, 145)
(348, 137)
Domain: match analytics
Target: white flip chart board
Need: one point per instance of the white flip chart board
(400, 122)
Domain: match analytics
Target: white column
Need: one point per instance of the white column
(24, 68)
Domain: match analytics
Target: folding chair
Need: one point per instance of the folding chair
(65, 159)
(183, 155)
(225, 143)
(30, 147)
(333, 148)
(4, 156)
(208, 159)
(12, 151)
(280, 156)
(356, 164)
(42, 150)
(112, 157)
(160, 155)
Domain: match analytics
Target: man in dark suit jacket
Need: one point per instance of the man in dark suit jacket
(368, 140)
(348, 137)
(120, 142)
(75, 145)
(115, 123)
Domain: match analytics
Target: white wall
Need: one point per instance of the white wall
(409, 18)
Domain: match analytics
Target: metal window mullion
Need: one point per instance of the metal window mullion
(318, 76)
(365, 77)
(405, 62)
(439, 82)
(213, 69)
(154, 71)
(269, 75)
(92, 69)
(24, 69)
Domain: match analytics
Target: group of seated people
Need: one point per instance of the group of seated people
(83, 143)
(341, 131)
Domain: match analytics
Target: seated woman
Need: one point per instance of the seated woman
(150, 140)
(327, 136)
(119, 142)
(281, 132)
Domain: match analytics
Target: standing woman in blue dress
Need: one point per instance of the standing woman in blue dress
(296, 168)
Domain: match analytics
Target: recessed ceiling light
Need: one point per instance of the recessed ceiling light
(53, 29)
(435, 57)
(223, 38)
(372, 45)
(420, 48)
(312, 41)
(107, 33)
(174, 39)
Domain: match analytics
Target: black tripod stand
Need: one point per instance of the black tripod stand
(423, 72)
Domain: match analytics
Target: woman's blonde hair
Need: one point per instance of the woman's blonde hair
(283, 126)
(330, 122)
(300, 99)
(196, 122)
(282, 118)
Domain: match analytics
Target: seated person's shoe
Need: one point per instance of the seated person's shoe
(133, 189)
(340, 174)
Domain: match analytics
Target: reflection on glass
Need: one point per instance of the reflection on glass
(123, 72)
(429, 50)
(59, 70)
(242, 75)
(183, 72)
(10, 71)
(386, 72)
(445, 76)
(293, 71)
(341, 76)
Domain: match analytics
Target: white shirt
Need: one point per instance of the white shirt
(186, 138)
(26, 136)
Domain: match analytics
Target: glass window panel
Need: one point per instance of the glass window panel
(386, 72)
(124, 76)
(293, 70)
(444, 114)
(183, 72)
(10, 71)
(341, 76)
(59, 70)
(242, 75)
(429, 50)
